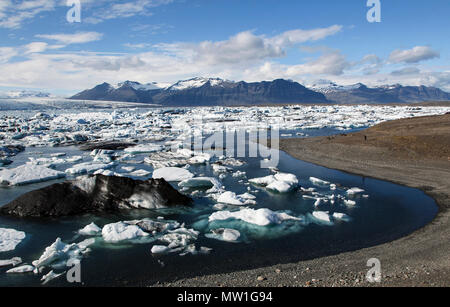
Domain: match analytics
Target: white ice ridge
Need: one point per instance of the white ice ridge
(281, 182)
(27, 174)
(10, 238)
(88, 168)
(172, 174)
(261, 217)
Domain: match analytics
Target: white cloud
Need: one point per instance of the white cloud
(414, 55)
(77, 38)
(246, 47)
(12, 15)
(123, 9)
(36, 47)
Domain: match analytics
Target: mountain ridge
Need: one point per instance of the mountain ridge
(200, 91)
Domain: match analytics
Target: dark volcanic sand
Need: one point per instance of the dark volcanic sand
(413, 152)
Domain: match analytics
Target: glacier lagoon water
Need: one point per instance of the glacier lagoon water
(391, 211)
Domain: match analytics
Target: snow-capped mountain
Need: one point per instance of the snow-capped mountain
(360, 93)
(140, 87)
(196, 83)
(206, 91)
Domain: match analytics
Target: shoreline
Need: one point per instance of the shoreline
(418, 259)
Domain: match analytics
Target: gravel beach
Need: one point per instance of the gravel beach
(413, 152)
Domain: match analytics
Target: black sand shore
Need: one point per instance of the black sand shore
(412, 152)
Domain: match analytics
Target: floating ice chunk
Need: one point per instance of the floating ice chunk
(90, 230)
(354, 191)
(27, 174)
(261, 217)
(120, 231)
(201, 182)
(349, 202)
(50, 276)
(341, 216)
(225, 234)
(333, 187)
(318, 181)
(281, 182)
(160, 249)
(180, 237)
(322, 216)
(200, 158)
(217, 168)
(288, 178)
(239, 174)
(21, 269)
(10, 238)
(144, 148)
(13, 261)
(88, 168)
(172, 174)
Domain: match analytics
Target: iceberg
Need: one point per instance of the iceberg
(59, 253)
(261, 217)
(120, 231)
(13, 261)
(224, 234)
(10, 238)
(21, 269)
(201, 182)
(172, 174)
(280, 182)
(90, 230)
(27, 174)
(322, 216)
(231, 198)
(354, 191)
(318, 181)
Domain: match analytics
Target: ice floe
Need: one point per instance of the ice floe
(224, 234)
(21, 269)
(10, 238)
(172, 174)
(280, 182)
(261, 217)
(120, 231)
(231, 198)
(27, 174)
(13, 261)
(90, 230)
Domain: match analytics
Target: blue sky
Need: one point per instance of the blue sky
(168, 40)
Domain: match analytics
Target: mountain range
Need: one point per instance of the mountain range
(215, 91)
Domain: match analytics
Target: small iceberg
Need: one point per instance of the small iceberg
(90, 230)
(230, 198)
(172, 174)
(261, 217)
(318, 181)
(224, 234)
(281, 182)
(10, 238)
(120, 231)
